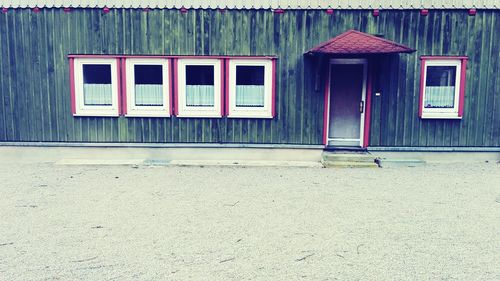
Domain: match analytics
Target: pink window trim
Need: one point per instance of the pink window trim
(176, 88)
(222, 111)
(123, 94)
(72, 85)
(171, 92)
(223, 88)
(422, 82)
(227, 88)
(273, 98)
(443, 57)
(463, 77)
(273, 82)
(173, 79)
(119, 86)
(172, 56)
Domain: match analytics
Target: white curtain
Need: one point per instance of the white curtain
(250, 95)
(97, 94)
(148, 94)
(199, 95)
(439, 97)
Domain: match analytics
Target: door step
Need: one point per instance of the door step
(345, 149)
(346, 164)
(348, 160)
(399, 162)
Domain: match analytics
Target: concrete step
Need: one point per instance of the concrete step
(247, 163)
(348, 157)
(399, 162)
(349, 164)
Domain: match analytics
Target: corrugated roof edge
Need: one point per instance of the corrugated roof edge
(243, 7)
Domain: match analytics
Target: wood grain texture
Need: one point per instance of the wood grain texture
(34, 72)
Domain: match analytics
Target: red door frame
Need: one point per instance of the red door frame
(368, 101)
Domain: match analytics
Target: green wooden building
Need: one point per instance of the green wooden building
(397, 75)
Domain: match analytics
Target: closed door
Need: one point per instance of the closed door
(346, 104)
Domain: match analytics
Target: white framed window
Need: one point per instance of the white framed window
(147, 87)
(251, 89)
(199, 88)
(96, 87)
(442, 88)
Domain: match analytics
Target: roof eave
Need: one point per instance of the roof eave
(409, 51)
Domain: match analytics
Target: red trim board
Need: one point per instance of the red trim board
(176, 93)
(227, 88)
(443, 57)
(222, 87)
(422, 71)
(72, 85)
(366, 133)
(123, 94)
(326, 107)
(171, 57)
(119, 86)
(170, 88)
(273, 98)
(463, 78)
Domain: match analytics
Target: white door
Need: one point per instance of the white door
(346, 102)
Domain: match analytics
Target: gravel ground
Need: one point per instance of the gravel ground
(232, 223)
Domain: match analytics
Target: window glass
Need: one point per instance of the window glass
(148, 86)
(250, 90)
(440, 87)
(97, 84)
(200, 85)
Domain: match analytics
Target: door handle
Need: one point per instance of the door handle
(361, 106)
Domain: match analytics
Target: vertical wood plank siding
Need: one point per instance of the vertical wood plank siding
(34, 72)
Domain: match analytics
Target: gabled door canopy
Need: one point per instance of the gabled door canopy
(353, 42)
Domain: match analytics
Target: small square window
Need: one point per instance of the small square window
(147, 88)
(95, 87)
(199, 88)
(442, 88)
(251, 88)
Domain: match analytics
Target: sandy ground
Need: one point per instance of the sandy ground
(232, 223)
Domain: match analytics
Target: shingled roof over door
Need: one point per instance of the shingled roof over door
(258, 4)
(356, 42)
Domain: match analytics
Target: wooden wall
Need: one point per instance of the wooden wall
(395, 120)
(34, 73)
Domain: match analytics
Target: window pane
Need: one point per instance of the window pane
(200, 85)
(97, 84)
(249, 75)
(199, 74)
(440, 87)
(148, 74)
(250, 89)
(199, 95)
(148, 85)
(97, 73)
